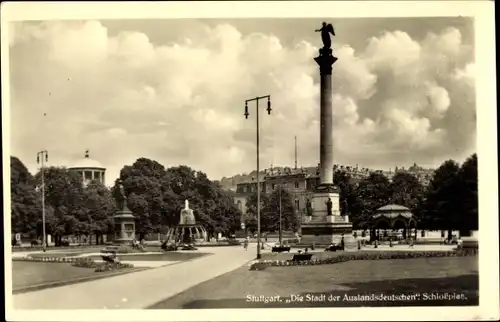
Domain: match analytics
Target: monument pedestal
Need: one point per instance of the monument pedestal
(322, 229)
(124, 227)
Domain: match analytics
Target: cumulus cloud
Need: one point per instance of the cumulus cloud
(396, 101)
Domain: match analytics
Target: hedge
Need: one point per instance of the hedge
(260, 265)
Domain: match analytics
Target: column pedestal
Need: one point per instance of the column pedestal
(322, 229)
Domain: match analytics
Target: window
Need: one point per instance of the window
(88, 175)
(273, 186)
(97, 175)
(297, 204)
(296, 185)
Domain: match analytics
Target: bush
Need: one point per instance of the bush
(85, 262)
(168, 247)
(467, 252)
(106, 267)
(344, 257)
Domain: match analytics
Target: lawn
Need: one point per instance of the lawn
(27, 274)
(243, 288)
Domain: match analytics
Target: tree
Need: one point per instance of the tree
(440, 209)
(289, 217)
(64, 199)
(468, 212)
(270, 213)
(372, 192)
(406, 190)
(251, 213)
(100, 208)
(26, 207)
(143, 187)
(348, 198)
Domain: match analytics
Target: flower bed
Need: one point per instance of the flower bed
(84, 262)
(262, 264)
(100, 267)
(29, 258)
(106, 267)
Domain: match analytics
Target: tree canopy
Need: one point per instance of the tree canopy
(270, 211)
(156, 196)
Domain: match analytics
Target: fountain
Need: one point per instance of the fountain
(187, 232)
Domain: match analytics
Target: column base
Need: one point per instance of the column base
(322, 235)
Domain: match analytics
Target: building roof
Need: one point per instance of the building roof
(392, 211)
(392, 215)
(86, 163)
(393, 207)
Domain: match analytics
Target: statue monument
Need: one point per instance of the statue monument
(187, 232)
(326, 30)
(324, 224)
(124, 219)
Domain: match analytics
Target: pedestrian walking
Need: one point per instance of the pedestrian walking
(245, 244)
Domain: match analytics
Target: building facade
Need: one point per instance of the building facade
(89, 170)
(301, 182)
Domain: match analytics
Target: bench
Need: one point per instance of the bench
(301, 257)
(280, 249)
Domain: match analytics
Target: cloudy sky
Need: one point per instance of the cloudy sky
(174, 91)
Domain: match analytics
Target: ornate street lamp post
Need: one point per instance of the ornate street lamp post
(256, 99)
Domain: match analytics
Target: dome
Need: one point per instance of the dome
(86, 163)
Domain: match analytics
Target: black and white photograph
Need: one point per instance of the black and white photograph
(264, 158)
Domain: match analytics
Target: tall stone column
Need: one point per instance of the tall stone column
(325, 60)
